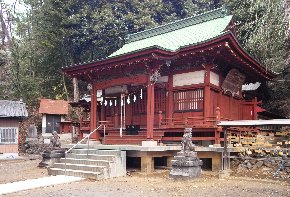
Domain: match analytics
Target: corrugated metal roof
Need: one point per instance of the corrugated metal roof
(13, 109)
(173, 36)
(49, 106)
(255, 122)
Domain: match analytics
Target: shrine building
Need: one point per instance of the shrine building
(184, 74)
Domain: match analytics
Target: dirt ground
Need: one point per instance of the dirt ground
(139, 184)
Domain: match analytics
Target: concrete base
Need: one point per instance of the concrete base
(216, 159)
(147, 163)
(149, 143)
(93, 143)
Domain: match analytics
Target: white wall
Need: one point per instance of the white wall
(43, 123)
(189, 78)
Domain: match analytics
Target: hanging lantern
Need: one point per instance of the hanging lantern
(128, 100)
(134, 98)
(141, 94)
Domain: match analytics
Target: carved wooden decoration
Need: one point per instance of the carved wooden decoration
(233, 81)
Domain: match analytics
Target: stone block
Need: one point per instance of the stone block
(46, 141)
(187, 154)
(149, 143)
(186, 165)
(259, 164)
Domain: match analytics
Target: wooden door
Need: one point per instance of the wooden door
(52, 123)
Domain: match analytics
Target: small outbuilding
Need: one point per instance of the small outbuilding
(53, 112)
(11, 113)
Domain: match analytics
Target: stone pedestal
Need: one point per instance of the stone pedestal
(186, 165)
(51, 156)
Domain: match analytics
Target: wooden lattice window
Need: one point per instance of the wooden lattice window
(189, 100)
(8, 135)
(160, 100)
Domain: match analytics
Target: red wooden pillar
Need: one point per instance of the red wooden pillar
(169, 107)
(220, 95)
(103, 117)
(207, 105)
(150, 109)
(94, 113)
(219, 128)
(255, 111)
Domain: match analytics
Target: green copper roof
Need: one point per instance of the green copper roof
(178, 34)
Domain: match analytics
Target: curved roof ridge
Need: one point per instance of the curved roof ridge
(178, 24)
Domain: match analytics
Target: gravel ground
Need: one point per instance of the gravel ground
(139, 184)
(19, 170)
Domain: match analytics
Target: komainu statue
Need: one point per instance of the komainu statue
(186, 164)
(54, 140)
(186, 143)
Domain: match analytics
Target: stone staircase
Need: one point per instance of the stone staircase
(92, 163)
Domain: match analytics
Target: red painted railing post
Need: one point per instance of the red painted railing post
(116, 121)
(218, 115)
(160, 119)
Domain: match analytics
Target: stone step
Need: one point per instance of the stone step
(96, 152)
(77, 173)
(92, 156)
(98, 164)
(86, 161)
(82, 167)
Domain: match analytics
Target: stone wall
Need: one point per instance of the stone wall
(275, 166)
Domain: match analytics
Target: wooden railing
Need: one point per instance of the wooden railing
(84, 124)
(189, 121)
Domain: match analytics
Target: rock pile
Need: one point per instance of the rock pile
(278, 167)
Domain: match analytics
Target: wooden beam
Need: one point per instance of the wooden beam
(139, 79)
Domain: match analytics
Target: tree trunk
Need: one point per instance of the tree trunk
(76, 90)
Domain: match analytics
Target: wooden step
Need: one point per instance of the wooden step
(128, 141)
(125, 137)
(143, 133)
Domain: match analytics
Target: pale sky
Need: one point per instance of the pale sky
(19, 7)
